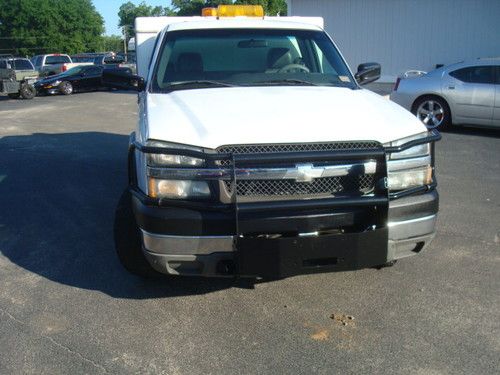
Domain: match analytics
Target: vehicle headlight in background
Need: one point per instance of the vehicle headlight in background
(410, 168)
(165, 160)
(53, 84)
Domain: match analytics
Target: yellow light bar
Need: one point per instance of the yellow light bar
(240, 11)
(209, 12)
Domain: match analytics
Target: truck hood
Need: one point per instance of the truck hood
(251, 115)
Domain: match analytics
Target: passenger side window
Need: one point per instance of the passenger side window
(93, 71)
(475, 74)
(324, 64)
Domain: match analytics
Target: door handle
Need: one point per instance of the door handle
(451, 87)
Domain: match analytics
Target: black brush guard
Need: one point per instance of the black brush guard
(276, 239)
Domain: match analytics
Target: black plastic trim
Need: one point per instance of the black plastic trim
(434, 136)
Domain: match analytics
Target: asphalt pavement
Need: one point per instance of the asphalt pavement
(68, 307)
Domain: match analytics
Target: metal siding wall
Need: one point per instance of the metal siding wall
(408, 34)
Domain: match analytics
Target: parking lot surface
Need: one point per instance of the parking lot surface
(68, 307)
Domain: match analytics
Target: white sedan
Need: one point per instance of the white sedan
(466, 93)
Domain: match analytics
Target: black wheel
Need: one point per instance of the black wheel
(27, 91)
(433, 111)
(66, 88)
(14, 96)
(386, 265)
(128, 243)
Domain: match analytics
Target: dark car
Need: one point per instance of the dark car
(77, 79)
(99, 58)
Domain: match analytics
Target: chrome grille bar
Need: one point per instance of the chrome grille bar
(300, 173)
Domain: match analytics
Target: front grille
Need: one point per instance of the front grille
(345, 185)
(353, 185)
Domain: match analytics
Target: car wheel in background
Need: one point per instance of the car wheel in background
(27, 91)
(433, 111)
(66, 88)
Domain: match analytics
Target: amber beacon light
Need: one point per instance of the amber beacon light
(234, 11)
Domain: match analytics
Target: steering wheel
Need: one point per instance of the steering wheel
(292, 68)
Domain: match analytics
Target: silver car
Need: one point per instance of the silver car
(466, 93)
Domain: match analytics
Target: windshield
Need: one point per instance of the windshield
(57, 59)
(82, 59)
(22, 64)
(72, 71)
(248, 57)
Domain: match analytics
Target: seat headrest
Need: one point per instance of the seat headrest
(278, 58)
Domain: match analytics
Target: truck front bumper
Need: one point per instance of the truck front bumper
(180, 241)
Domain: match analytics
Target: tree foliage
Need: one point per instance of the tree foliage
(112, 43)
(128, 12)
(49, 26)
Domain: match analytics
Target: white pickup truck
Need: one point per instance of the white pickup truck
(48, 65)
(258, 154)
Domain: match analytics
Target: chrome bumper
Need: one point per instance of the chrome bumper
(202, 256)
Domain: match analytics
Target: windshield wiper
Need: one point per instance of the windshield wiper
(288, 81)
(203, 83)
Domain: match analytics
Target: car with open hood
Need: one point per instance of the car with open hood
(17, 77)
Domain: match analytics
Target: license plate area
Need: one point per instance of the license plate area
(290, 256)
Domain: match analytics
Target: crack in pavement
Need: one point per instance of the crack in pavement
(56, 343)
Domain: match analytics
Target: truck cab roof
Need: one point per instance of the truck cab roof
(245, 23)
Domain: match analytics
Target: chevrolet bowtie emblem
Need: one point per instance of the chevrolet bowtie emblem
(307, 172)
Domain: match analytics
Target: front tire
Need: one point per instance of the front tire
(27, 91)
(128, 241)
(66, 88)
(433, 112)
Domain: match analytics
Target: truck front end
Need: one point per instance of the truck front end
(277, 210)
(257, 154)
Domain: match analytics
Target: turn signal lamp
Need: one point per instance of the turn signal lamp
(209, 12)
(234, 11)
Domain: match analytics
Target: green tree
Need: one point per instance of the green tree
(112, 43)
(271, 7)
(194, 7)
(128, 12)
(49, 26)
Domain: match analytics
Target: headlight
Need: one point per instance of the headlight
(178, 189)
(410, 178)
(54, 84)
(420, 150)
(175, 189)
(410, 168)
(165, 160)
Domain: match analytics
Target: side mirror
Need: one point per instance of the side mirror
(122, 80)
(367, 73)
